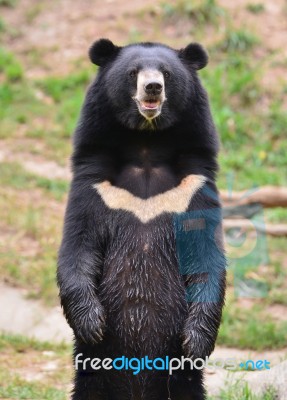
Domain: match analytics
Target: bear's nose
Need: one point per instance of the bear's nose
(153, 88)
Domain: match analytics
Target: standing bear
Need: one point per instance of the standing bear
(141, 268)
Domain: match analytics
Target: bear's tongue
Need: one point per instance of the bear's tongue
(150, 104)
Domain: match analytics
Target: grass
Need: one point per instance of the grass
(36, 273)
(29, 248)
(277, 292)
(234, 89)
(57, 88)
(13, 175)
(9, 66)
(8, 3)
(20, 389)
(18, 106)
(251, 329)
(29, 104)
(277, 215)
(3, 26)
(238, 390)
(238, 41)
(206, 11)
(22, 344)
(253, 326)
(255, 8)
(33, 12)
(19, 355)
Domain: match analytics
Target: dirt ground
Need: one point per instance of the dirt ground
(67, 28)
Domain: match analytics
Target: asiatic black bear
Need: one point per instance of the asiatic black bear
(141, 267)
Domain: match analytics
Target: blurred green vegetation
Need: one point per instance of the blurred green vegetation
(8, 3)
(205, 11)
(256, 8)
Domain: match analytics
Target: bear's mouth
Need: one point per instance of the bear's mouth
(149, 107)
(150, 104)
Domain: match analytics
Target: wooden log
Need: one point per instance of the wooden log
(277, 230)
(267, 196)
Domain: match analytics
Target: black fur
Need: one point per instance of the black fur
(120, 284)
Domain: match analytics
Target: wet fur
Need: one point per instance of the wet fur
(120, 285)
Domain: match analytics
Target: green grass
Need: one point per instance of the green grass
(277, 292)
(19, 354)
(277, 122)
(135, 35)
(8, 3)
(238, 41)
(19, 106)
(31, 217)
(36, 273)
(251, 328)
(21, 344)
(59, 88)
(45, 110)
(234, 89)
(238, 390)
(9, 66)
(13, 175)
(18, 388)
(3, 26)
(33, 12)
(255, 8)
(22, 99)
(276, 215)
(206, 11)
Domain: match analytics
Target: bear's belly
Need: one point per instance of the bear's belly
(142, 293)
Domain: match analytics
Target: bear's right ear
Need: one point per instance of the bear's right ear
(195, 55)
(101, 51)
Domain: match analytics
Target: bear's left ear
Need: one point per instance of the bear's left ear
(195, 55)
(101, 51)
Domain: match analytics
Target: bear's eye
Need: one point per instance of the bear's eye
(166, 74)
(133, 73)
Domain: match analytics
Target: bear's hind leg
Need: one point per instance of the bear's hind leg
(182, 387)
(89, 387)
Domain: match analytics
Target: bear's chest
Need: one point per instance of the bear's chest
(174, 200)
(146, 181)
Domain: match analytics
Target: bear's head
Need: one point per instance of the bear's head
(149, 85)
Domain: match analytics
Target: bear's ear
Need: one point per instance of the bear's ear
(102, 50)
(195, 55)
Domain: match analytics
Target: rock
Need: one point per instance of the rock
(30, 318)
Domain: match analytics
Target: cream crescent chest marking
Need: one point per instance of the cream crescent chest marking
(175, 200)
